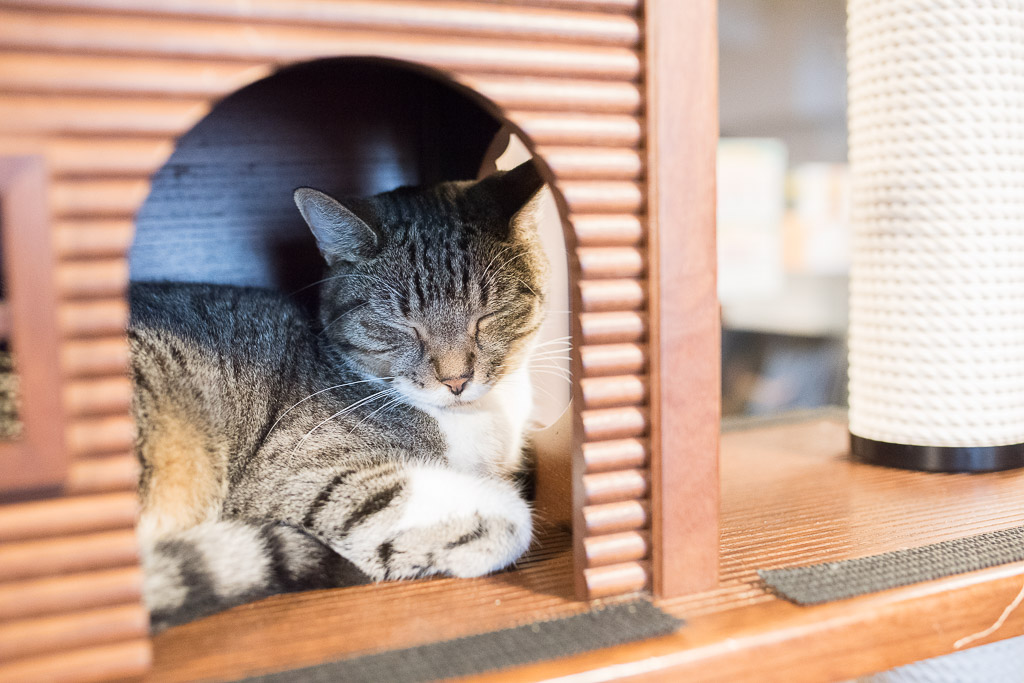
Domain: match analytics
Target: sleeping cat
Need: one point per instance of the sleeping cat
(375, 442)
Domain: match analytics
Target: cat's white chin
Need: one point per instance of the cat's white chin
(440, 397)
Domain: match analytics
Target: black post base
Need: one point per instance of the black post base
(937, 458)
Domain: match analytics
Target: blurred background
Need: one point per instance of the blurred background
(783, 189)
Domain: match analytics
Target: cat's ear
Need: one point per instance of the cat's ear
(341, 235)
(517, 194)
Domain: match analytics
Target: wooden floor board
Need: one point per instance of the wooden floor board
(789, 497)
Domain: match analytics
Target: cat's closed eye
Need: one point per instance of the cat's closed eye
(485, 321)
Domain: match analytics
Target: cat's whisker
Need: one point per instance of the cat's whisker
(551, 368)
(562, 353)
(371, 397)
(318, 282)
(354, 308)
(493, 259)
(317, 393)
(505, 265)
(562, 377)
(387, 404)
(553, 362)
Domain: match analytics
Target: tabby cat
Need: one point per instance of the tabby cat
(377, 441)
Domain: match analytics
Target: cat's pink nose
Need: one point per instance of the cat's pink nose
(457, 384)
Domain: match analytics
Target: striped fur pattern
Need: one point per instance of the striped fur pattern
(380, 440)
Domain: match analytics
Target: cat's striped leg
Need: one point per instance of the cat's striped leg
(405, 520)
(216, 565)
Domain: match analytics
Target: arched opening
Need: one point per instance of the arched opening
(221, 210)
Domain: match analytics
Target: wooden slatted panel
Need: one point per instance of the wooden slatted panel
(56, 633)
(604, 328)
(409, 16)
(617, 548)
(605, 392)
(64, 594)
(150, 36)
(99, 475)
(92, 279)
(88, 437)
(98, 396)
(30, 73)
(103, 96)
(611, 262)
(125, 158)
(95, 357)
(56, 556)
(26, 521)
(614, 517)
(122, 661)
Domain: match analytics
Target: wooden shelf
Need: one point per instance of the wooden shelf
(789, 497)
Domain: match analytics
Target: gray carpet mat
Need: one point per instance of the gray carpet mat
(830, 581)
(599, 628)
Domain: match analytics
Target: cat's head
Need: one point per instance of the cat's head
(440, 288)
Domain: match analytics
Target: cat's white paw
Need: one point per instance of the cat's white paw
(434, 520)
(459, 524)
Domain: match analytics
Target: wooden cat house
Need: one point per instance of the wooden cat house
(615, 100)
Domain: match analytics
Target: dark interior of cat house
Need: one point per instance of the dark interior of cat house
(221, 210)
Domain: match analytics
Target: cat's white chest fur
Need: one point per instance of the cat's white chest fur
(487, 436)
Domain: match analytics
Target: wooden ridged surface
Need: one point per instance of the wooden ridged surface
(43, 635)
(119, 472)
(445, 18)
(41, 519)
(122, 661)
(103, 88)
(64, 555)
(174, 37)
(603, 328)
(789, 497)
(65, 594)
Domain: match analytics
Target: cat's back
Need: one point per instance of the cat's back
(215, 313)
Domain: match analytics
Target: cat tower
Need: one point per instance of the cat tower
(937, 279)
(98, 94)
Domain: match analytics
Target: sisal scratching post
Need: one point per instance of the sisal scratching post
(936, 92)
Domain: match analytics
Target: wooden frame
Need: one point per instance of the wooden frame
(616, 98)
(38, 459)
(685, 318)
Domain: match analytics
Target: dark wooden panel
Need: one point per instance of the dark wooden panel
(227, 189)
